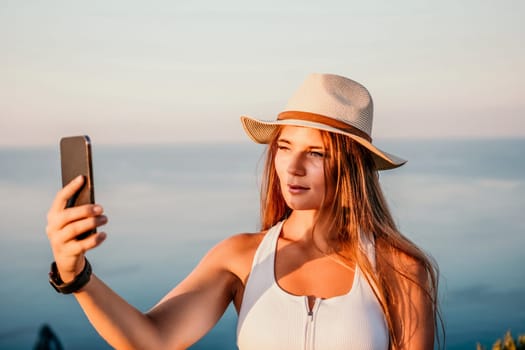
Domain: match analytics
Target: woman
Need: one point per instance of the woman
(328, 271)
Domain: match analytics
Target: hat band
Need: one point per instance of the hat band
(319, 118)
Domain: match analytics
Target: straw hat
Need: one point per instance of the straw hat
(332, 103)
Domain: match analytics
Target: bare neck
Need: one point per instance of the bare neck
(309, 227)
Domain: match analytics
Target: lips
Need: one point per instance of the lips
(296, 189)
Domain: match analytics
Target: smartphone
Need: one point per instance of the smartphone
(76, 159)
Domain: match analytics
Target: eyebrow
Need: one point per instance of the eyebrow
(281, 140)
(284, 140)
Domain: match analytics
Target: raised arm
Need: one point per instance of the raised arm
(176, 322)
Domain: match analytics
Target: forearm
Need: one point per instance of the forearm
(119, 323)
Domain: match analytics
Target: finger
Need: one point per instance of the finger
(64, 217)
(73, 229)
(93, 241)
(56, 221)
(67, 192)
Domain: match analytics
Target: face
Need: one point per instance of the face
(299, 163)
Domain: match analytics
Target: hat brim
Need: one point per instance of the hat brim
(261, 131)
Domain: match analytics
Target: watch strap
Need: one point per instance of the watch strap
(75, 285)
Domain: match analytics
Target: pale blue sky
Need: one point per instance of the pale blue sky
(177, 71)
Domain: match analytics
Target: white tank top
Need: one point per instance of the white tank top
(271, 318)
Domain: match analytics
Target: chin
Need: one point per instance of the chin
(301, 205)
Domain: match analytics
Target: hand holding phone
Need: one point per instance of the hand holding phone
(76, 159)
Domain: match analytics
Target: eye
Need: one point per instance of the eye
(283, 147)
(316, 154)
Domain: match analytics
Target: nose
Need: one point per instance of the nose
(296, 165)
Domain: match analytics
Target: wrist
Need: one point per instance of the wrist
(77, 283)
(67, 276)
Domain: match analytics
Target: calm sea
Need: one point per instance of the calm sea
(462, 201)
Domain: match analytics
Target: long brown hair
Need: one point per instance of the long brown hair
(359, 211)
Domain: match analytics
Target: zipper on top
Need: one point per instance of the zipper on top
(310, 323)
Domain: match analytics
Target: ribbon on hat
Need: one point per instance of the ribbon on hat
(319, 118)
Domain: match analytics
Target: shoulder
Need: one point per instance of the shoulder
(241, 241)
(411, 268)
(228, 263)
(409, 262)
(238, 244)
(235, 253)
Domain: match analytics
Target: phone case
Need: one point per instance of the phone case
(76, 159)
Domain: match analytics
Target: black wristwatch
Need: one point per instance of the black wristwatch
(67, 288)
